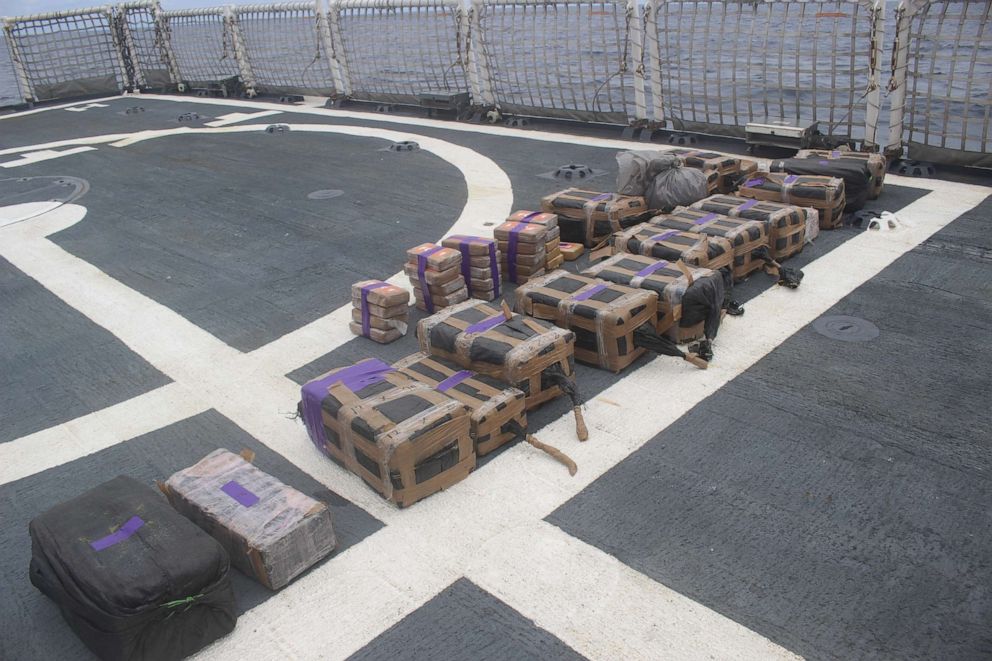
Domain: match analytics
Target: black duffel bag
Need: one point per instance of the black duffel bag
(132, 577)
(856, 175)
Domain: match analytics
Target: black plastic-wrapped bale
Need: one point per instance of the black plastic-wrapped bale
(693, 248)
(856, 173)
(749, 238)
(876, 163)
(134, 579)
(786, 224)
(588, 217)
(406, 440)
(602, 315)
(690, 299)
(498, 410)
(825, 194)
(270, 530)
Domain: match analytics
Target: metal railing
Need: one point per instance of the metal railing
(697, 65)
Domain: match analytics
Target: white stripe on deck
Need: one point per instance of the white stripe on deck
(27, 158)
(235, 117)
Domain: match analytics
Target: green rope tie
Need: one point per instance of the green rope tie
(187, 601)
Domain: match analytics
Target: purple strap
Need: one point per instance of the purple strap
(705, 219)
(824, 162)
(751, 183)
(421, 269)
(835, 154)
(239, 493)
(664, 235)
(601, 197)
(747, 205)
(530, 216)
(511, 251)
(354, 378)
(589, 293)
(494, 268)
(463, 248)
(792, 178)
(648, 270)
(129, 528)
(486, 324)
(453, 380)
(365, 305)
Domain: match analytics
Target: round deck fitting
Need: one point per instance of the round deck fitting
(573, 171)
(326, 194)
(277, 128)
(846, 329)
(516, 122)
(406, 145)
(682, 139)
(909, 168)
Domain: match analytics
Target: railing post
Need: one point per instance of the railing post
(897, 83)
(478, 61)
(114, 20)
(240, 54)
(163, 39)
(637, 59)
(124, 40)
(23, 82)
(874, 97)
(652, 50)
(334, 50)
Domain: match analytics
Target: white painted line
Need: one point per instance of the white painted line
(16, 213)
(235, 117)
(602, 608)
(35, 111)
(43, 155)
(96, 431)
(84, 108)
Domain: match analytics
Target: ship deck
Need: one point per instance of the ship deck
(821, 490)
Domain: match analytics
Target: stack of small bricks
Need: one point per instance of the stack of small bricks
(529, 245)
(380, 310)
(480, 264)
(436, 275)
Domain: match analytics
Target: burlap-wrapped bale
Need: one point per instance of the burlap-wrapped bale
(857, 176)
(498, 411)
(694, 248)
(134, 579)
(876, 163)
(270, 530)
(602, 315)
(785, 223)
(825, 194)
(588, 217)
(435, 273)
(690, 298)
(725, 168)
(483, 283)
(403, 438)
(746, 237)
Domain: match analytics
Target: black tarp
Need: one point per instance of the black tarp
(856, 175)
(132, 577)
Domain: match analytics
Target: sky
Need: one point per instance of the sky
(25, 7)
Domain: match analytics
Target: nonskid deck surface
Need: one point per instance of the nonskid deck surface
(804, 496)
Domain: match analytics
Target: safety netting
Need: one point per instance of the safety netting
(397, 50)
(287, 48)
(146, 50)
(946, 72)
(569, 59)
(10, 93)
(724, 63)
(203, 44)
(66, 54)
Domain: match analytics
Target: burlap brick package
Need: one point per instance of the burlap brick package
(785, 223)
(405, 439)
(602, 315)
(725, 168)
(523, 246)
(482, 282)
(690, 298)
(436, 275)
(745, 236)
(825, 194)
(379, 310)
(856, 174)
(571, 251)
(693, 248)
(876, 163)
(498, 411)
(531, 355)
(588, 217)
(271, 531)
